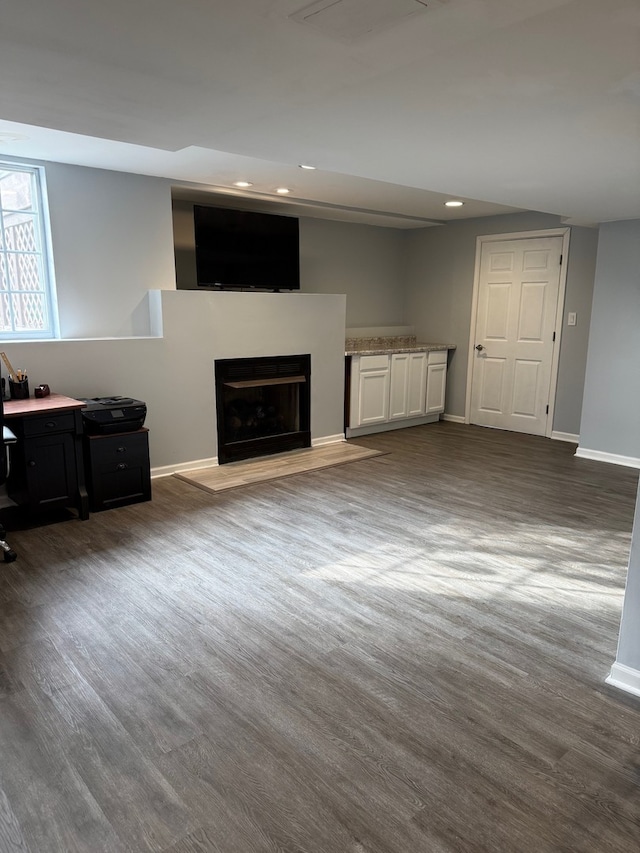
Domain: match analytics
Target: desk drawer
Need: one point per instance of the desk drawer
(47, 424)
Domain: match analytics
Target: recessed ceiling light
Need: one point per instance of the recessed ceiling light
(305, 166)
(453, 203)
(242, 184)
(283, 190)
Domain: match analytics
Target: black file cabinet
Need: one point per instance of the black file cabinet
(117, 467)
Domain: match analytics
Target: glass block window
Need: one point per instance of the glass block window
(26, 284)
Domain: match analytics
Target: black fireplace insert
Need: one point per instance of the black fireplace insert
(263, 405)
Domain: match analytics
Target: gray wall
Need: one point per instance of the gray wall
(174, 373)
(364, 262)
(439, 279)
(112, 243)
(611, 410)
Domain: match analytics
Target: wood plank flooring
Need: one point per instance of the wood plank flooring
(402, 655)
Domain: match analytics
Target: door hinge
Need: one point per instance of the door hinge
(547, 409)
(554, 336)
(560, 260)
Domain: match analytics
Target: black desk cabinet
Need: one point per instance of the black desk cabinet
(118, 471)
(46, 470)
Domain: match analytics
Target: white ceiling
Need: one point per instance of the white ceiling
(507, 104)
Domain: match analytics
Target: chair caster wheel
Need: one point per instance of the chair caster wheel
(10, 556)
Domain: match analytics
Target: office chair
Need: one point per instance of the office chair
(7, 438)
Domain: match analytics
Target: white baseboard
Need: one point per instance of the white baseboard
(168, 470)
(454, 419)
(613, 458)
(625, 678)
(565, 436)
(327, 439)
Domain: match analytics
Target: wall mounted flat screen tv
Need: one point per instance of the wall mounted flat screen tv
(238, 249)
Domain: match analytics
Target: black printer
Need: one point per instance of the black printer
(104, 415)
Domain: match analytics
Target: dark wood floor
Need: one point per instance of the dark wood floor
(400, 655)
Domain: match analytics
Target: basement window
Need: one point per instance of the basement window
(27, 296)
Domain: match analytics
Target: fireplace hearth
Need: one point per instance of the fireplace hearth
(263, 406)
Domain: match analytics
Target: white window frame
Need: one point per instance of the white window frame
(41, 210)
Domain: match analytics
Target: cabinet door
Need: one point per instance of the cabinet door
(417, 386)
(51, 472)
(369, 390)
(373, 396)
(399, 386)
(436, 381)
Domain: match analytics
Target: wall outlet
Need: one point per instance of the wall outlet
(572, 318)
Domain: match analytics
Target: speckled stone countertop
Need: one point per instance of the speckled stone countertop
(385, 346)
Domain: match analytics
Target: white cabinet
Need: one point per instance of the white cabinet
(417, 386)
(436, 382)
(407, 385)
(399, 386)
(391, 391)
(370, 391)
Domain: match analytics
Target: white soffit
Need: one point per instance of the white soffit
(348, 20)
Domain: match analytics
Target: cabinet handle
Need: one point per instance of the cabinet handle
(121, 449)
(121, 466)
(51, 425)
(32, 463)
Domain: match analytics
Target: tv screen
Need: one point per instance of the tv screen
(244, 249)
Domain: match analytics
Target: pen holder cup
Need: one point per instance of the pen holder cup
(19, 390)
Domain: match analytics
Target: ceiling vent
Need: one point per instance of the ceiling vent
(348, 20)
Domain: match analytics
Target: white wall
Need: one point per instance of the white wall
(439, 277)
(611, 410)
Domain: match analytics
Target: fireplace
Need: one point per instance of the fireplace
(263, 405)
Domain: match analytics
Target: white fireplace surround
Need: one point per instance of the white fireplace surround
(242, 325)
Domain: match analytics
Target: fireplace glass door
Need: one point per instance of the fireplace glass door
(262, 405)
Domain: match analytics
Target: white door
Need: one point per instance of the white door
(518, 292)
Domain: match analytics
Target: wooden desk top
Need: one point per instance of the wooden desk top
(41, 405)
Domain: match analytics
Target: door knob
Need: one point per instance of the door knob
(479, 347)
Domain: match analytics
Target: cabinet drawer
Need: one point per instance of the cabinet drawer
(374, 362)
(438, 357)
(46, 424)
(117, 488)
(108, 452)
(119, 448)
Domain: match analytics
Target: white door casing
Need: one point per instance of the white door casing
(515, 330)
